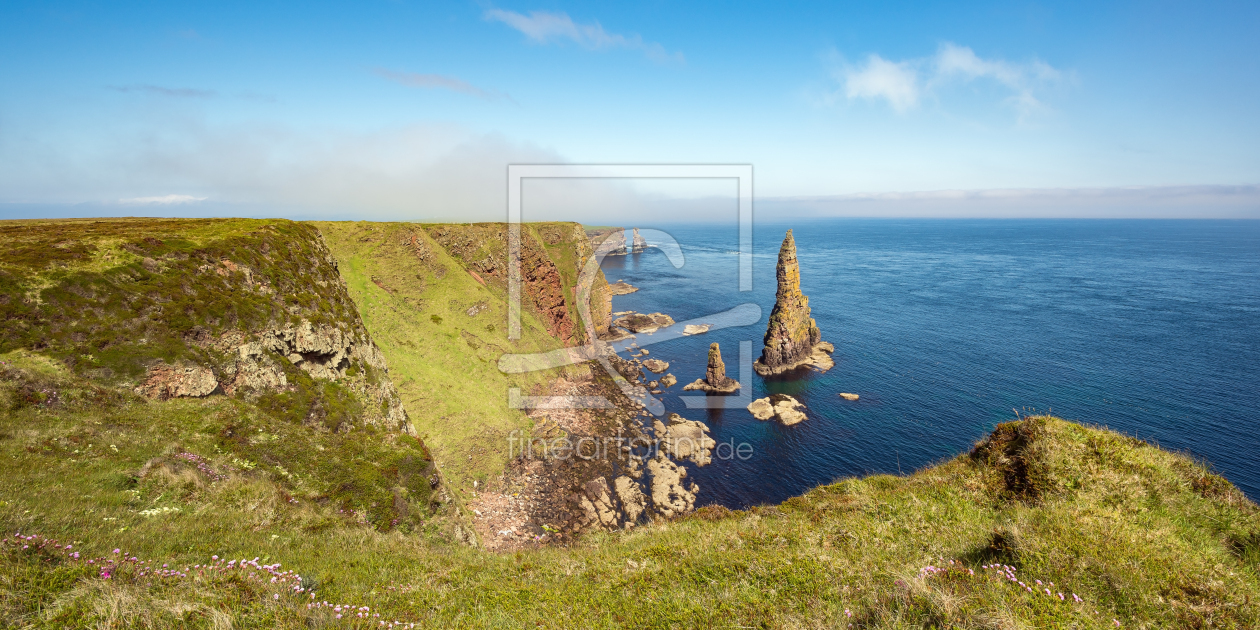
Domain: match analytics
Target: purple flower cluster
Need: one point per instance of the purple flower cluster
(202, 465)
(268, 575)
(1007, 572)
(931, 570)
(359, 612)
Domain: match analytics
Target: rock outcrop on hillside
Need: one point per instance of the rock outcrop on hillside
(715, 379)
(247, 308)
(792, 337)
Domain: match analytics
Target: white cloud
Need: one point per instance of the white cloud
(164, 200)
(437, 81)
(545, 27)
(903, 83)
(898, 83)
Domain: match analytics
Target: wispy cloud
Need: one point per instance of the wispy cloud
(164, 91)
(545, 27)
(898, 83)
(903, 84)
(164, 200)
(437, 81)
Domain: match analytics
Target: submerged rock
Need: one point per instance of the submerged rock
(715, 379)
(792, 336)
(784, 408)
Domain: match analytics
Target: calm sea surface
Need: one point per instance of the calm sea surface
(1151, 328)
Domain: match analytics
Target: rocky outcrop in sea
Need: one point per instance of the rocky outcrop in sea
(715, 379)
(792, 337)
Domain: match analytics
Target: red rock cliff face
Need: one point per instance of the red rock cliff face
(482, 248)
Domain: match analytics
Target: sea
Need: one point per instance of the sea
(947, 327)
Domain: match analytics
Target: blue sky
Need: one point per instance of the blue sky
(400, 109)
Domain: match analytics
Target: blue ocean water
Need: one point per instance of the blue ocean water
(1151, 328)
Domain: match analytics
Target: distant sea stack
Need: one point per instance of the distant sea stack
(792, 337)
(715, 379)
(637, 245)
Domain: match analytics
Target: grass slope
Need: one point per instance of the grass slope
(442, 359)
(1144, 537)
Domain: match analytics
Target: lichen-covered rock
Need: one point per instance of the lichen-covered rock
(669, 380)
(164, 381)
(685, 439)
(669, 496)
(791, 334)
(696, 329)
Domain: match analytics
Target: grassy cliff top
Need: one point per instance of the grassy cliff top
(1141, 536)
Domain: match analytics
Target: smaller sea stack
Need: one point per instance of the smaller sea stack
(792, 337)
(715, 379)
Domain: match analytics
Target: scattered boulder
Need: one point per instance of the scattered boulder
(668, 380)
(696, 329)
(784, 408)
(848, 396)
(164, 382)
(792, 337)
(656, 366)
(685, 439)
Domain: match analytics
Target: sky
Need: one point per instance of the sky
(412, 110)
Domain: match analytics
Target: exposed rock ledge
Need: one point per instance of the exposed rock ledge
(696, 329)
(656, 366)
(622, 288)
(685, 439)
(644, 323)
(819, 360)
(780, 406)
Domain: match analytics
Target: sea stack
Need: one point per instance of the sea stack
(715, 379)
(637, 245)
(792, 337)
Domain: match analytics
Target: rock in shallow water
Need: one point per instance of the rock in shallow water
(784, 408)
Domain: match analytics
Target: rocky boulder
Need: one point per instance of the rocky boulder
(685, 439)
(784, 408)
(656, 366)
(669, 496)
(163, 382)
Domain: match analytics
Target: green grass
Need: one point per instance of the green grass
(1149, 538)
(443, 360)
(1144, 536)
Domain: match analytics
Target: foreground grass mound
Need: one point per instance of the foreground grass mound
(1127, 533)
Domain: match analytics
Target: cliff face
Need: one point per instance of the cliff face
(791, 333)
(551, 258)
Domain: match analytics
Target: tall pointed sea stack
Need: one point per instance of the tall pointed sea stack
(715, 379)
(792, 337)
